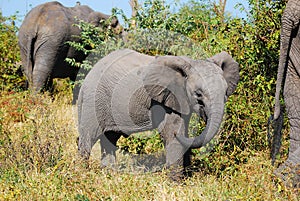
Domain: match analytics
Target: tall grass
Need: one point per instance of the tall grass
(39, 161)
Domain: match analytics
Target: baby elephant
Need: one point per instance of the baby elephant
(128, 92)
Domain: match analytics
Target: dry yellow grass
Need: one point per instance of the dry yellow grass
(39, 161)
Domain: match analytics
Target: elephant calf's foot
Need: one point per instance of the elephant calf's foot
(108, 161)
(290, 175)
(176, 173)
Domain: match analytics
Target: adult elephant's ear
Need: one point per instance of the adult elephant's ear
(165, 81)
(230, 70)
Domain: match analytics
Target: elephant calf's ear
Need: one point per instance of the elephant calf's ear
(165, 82)
(230, 70)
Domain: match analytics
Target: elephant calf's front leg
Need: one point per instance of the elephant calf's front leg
(177, 156)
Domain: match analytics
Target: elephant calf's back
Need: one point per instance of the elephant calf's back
(107, 89)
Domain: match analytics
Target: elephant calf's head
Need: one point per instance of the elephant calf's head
(187, 86)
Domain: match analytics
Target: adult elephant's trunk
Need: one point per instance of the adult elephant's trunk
(285, 45)
(290, 23)
(214, 121)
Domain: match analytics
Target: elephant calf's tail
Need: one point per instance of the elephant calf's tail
(79, 104)
(275, 143)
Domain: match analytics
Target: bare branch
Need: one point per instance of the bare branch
(134, 7)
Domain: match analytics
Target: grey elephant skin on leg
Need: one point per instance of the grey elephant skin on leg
(288, 83)
(128, 92)
(42, 40)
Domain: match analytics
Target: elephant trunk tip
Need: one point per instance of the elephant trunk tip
(277, 111)
(187, 142)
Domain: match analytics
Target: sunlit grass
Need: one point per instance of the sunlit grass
(39, 161)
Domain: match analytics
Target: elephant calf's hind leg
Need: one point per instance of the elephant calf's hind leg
(84, 147)
(108, 143)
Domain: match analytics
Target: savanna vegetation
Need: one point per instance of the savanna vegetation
(38, 150)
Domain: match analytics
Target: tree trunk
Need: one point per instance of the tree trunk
(134, 8)
(220, 9)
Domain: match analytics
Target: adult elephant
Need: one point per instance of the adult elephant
(288, 81)
(128, 92)
(42, 40)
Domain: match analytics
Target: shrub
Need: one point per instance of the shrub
(23, 119)
(11, 76)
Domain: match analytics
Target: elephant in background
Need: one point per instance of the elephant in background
(128, 92)
(42, 40)
(288, 82)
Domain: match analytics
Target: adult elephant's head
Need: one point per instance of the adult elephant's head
(101, 20)
(200, 86)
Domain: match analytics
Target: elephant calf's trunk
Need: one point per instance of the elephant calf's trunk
(211, 129)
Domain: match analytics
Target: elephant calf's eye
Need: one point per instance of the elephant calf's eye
(199, 96)
(201, 103)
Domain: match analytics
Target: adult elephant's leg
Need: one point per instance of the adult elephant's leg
(108, 143)
(177, 156)
(76, 90)
(26, 64)
(49, 84)
(292, 102)
(294, 165)
(43, 66)
(289, 171)
(76, 87)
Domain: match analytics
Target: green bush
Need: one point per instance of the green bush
(254, 43)
(11, 76)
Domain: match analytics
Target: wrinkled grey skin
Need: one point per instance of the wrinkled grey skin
(42, 40)
(288, 80)
(128, 92)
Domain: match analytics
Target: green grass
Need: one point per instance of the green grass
(39, 161)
